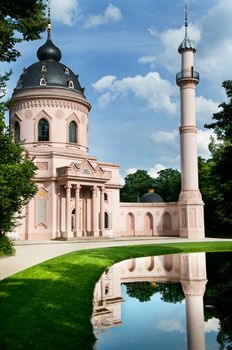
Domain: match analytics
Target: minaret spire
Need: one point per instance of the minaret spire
(186, 43)
(186, 19)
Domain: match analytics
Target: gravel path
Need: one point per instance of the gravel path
(30, 253)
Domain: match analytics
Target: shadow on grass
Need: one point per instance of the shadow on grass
(49, 306)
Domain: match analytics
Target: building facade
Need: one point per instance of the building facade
(78, 195)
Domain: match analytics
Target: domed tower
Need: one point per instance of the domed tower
(190, 200)
(49, 113)
(49, 108)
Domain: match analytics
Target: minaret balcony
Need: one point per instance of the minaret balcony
(186, 76)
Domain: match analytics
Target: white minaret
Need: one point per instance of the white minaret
(190, 201)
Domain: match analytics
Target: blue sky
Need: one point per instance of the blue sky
(125, 53)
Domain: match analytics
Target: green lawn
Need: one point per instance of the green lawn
(49, 306)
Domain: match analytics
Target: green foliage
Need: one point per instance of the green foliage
(222, 158)
(16, 173)
(136, 185)
(217, 298)
(142, 291)
(6, 246)
(19, 20)
(170, 292)
(168, 184)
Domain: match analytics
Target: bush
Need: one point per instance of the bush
(6, 246)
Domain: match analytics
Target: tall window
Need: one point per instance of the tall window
(17, 132)
(43, 130)
(73, 132)
(106, 220)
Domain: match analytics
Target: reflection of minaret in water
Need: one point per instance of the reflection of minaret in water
(190, 201)
(189, 269)
(193, 281)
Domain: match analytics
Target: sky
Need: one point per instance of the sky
(126, 55)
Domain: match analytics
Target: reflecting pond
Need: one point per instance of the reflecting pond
(165, 302)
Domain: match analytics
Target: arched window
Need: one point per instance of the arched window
(73, 132)
(43, 130)
(105, 197)
(17, 132)
(71, 84)
(106, 220)
(42, 81)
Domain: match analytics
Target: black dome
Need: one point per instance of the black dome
(151, 197)
(48, 72)
(49, 51)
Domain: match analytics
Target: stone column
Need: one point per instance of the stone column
(77, 211)
(102, 211)
(68, 214)
(194, 291)
(94, 210)
(58, 214)
(193, 280)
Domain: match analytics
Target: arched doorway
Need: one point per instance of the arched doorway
(131, 224)
(148, 224)
(73, 220)
(167, 223)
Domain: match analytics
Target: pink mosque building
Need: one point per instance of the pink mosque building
(78, 195)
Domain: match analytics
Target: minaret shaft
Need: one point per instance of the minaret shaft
(190, 201)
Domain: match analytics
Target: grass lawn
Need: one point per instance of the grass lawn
(49, 306)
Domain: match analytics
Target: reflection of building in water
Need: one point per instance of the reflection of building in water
(188, 269)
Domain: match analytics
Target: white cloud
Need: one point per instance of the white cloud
(111, 14)
(169, 138)
(214, 43)
(158, 93)
(171, 39)
(203, 139)
(104, 83)
(65, 11)
(212, 325)
(170, 326)
(148, 59)
(205, 108)
(131, 171)
(171, 162)
(153, 172)
(214, 56)
(104, 100)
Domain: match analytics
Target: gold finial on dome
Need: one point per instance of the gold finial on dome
(49, 19)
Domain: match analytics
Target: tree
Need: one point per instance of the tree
(19, 20)
(222, 156)
(136, 185)
(168, 184)
(16, 173)
(142, 291)
(217, 298)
